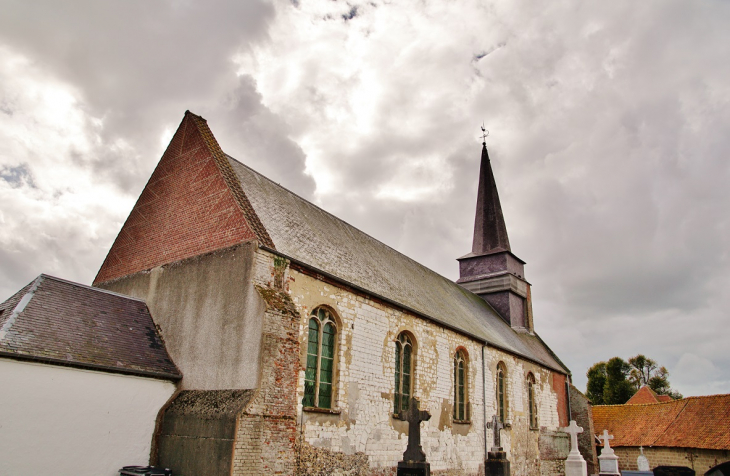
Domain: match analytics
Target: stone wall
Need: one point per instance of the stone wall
(658, 456)
(582, 413)
(361, 427)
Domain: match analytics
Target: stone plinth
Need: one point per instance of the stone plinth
(497, 463)
(410, 468)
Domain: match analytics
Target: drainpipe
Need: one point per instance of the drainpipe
(484, 400)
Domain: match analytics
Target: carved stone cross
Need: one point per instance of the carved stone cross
(573, 430)
(496, 425)
(414, 417)
(606, 445)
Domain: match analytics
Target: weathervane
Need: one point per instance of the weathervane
(485, 133)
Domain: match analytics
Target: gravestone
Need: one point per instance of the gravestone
(673, 471)
(608, 461)
(414, 459)
(497, 463)
(575, 465)
(641, 462)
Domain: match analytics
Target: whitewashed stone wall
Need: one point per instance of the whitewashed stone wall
(364, 384)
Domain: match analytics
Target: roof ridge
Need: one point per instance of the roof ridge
(343, 221)
(676, 417)
(92, 288)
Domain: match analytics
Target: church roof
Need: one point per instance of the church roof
(694, 422)
(59, 322)
(304, 232)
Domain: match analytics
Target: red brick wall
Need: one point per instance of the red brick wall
(185, 209)
(559, 389)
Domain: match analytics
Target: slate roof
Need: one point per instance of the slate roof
(316, 238)
(60, 322)
(694, 422)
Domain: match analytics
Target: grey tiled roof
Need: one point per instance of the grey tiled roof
(305, 232)
(66, 323)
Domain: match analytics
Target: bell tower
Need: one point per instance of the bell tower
(491, 270)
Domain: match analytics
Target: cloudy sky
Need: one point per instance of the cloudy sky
(609, 135)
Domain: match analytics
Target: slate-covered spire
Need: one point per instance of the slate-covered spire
(490, 232)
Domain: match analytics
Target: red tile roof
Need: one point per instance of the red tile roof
(644, 395)
(694, 422)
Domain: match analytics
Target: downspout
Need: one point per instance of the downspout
(484, 400)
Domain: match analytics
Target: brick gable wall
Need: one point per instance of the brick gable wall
(186, 209)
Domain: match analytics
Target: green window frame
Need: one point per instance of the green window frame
(403, 372)
(501, 392)
(321, 352)
(460, 387)
(531, 400)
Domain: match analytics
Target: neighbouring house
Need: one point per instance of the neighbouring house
(300, 338)
(647, 395)
(84, 374)
(690, 432)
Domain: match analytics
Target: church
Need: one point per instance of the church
(300, 339)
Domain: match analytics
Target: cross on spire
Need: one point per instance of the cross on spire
(485, 134)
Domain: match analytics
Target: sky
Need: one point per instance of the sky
(609, 137)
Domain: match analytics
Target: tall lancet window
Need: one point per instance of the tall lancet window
(531, 400)
(403, 372)
(318, 377)
(501, 392)
(460, 387)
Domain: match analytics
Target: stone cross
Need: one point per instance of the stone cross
(414, 417)
(606, 445)
(573, 430)
(575, 465)
(496, 425)
(641, 462)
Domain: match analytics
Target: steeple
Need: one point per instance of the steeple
(490, 232)
(491, 270)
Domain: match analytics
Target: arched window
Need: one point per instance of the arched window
(403, 372)
(318, 377)
(502, 392)
(460, 388)
(531, 400)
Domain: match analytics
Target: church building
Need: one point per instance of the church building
(301, 339)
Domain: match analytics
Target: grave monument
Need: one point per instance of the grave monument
(414, 459)
(497, 463)
(575, 465)
(641, 462)
(608, 461)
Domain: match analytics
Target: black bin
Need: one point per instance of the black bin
(144, 471)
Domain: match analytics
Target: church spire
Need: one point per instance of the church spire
(490, 232)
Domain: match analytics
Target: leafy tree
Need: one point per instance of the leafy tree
(596, 382)
(645, 371)
(615, 381)
(618, 389)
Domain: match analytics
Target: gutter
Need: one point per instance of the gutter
(90, 366)
(410, 310)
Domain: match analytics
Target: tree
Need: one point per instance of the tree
(618, 388)
(615, 381)
(596, 382)
(644, 371)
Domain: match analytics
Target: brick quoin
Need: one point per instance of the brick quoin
(186, 209)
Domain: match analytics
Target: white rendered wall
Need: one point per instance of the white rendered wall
(66, 421)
